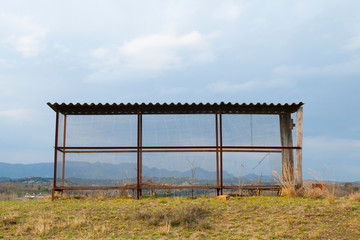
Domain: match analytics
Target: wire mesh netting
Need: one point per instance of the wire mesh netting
(180, 168)
(103, 149)
(99, 169)
(179, 130)
(98, 130)
(250, 168)
(251, 130)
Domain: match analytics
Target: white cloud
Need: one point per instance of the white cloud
(261, 21)
(152, 54)
(24, 35)
(332, 157)
(353, 43)
(340, 68)
(16, 114)
(331, 150)
(5, 64)
(27, 45)
(61, 47)
(172, 91)
(330, 144)
(225, 86)
(228, 11)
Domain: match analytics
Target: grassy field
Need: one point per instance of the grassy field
(258, 217)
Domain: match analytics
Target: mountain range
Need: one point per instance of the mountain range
(99, 171)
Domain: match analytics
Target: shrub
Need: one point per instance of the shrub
(355, 197)
(347, 206)
(287, 183)
(314, 193)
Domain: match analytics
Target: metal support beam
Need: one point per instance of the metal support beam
(138, 159)
(217, 154)
(139, 156)
(221, 155)
(55, 154)
(140, 153)
(63, 163)
(166, 186)
(185, 147)
(174, 150)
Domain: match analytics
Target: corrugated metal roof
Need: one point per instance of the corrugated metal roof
(172, 108)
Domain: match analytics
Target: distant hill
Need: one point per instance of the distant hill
(28, 180)
(97, 171)
(4, 179)
(8, 170)
(257, 177)
(356, 183)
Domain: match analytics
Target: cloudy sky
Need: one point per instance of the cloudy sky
(183, 51)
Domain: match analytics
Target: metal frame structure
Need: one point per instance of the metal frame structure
(218, 110)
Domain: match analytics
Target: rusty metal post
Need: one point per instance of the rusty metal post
(140, 153)
(138, 158)
(55, 154)
(217, 153)
(64, 145)
(221, 155)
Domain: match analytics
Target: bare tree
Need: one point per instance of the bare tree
(193, 166)
(240, 177)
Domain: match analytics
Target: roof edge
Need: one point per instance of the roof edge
(172, 108)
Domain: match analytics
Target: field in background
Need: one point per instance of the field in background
(17, 189)
(258, 217)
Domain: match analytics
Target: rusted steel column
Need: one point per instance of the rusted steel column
(299, 143)
(217, 154)
(287, 155)
(138, 158)
(55, 154)
(64, 145)
(221, 155)
(140, 153)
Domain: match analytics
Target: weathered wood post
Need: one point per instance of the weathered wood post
(287, 155)
(299, 140)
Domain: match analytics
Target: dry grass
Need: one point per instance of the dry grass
(289, 189)
(8, 219)
(46, 223)
(317, 193)
(347, 206)
(328, 193)
(191, 215)
(287, 183)
(8, 196)
(314, 193)
(257, 217)
(355, 196)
